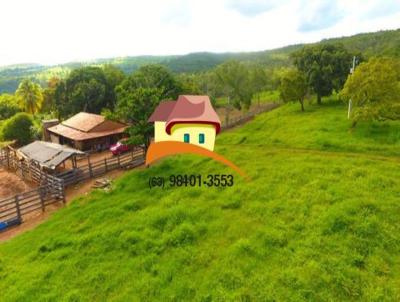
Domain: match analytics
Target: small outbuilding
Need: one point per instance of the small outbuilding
(48, 155)
(86, 131)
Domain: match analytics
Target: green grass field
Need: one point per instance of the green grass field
(319, 221)
(325, 128)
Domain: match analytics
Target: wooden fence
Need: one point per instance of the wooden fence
(95, 169)
(13, 209)
(52, 187)
(244, 118)
(24, 169)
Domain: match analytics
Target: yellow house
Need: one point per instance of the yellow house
(190, 119)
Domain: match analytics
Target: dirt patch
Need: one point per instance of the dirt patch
(11, 184)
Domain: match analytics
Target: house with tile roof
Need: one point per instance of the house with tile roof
(86, 131)
(190, 119)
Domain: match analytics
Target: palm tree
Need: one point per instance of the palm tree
(29, 96)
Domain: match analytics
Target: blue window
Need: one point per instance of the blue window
(201, 138)
(186, 138)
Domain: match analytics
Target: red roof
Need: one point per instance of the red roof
(84, 121)
(84, 126)
(188, 109)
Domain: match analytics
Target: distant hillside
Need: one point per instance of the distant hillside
(370, 44)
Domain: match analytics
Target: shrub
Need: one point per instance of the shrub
(18, 128)
(8, 106)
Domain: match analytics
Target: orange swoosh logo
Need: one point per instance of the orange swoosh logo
(159, 150)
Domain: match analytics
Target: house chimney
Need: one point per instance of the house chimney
(46, 125)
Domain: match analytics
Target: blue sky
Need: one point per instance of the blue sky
(58, 31)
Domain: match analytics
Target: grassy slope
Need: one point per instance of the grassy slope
(326, 129)
(311, 225)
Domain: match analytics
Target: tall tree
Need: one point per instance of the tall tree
(189, 84)
(85, 89)
(49, 103)
(374, 89)
(114, 76)
(326, 67)
(293, 87)
(60, 98)
(152, 76)
(235, 78)
(258, 80)
(136, 106)
(139, 94)
(29, 96)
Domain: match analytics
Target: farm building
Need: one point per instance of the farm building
(86, 131)
(48, 155)
(190, 119)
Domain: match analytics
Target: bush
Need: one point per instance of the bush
(18, 128)
(8, 106)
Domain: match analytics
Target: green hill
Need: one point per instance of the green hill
(369, 44)
(317, 222)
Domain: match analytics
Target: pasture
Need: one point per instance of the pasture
(317, 222)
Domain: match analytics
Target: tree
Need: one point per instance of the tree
(374, 89)
(60, 98)
(152, 76)
(29, 95)
(19, 128)
(114, 76)
(85, 89)
(8, 106)
(137, 97)
(49, 102)
(208, 84)
(325, 65)
(259, 81)
(136, 106)
(189, 84)
(235, 78)
(293, 87)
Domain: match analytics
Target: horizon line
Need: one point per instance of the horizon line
(95, 60)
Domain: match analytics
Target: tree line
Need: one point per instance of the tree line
(317, 70)
(131, 98)
(373, 87)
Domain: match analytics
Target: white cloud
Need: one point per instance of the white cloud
(49, 32)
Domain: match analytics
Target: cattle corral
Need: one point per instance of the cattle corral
(50, 189)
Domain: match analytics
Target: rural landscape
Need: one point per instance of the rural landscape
(314, 126)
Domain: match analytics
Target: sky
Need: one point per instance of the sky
(60, 31)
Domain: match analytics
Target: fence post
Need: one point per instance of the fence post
(17, 207)
(8, 158)
(41, 194)
(62, 188)
(105, 165)
(90, 167)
